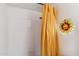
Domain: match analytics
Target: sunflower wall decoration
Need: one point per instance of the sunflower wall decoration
(66, 26)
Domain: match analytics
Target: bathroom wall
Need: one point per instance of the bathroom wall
(29, 6)
(69, 43)
(3, 29)
(20, 26)
(23, 31)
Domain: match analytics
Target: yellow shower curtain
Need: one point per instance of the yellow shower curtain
(49, 36)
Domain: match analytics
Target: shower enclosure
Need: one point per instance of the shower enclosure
(20, 29)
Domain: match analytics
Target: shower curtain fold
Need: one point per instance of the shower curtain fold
(49, 34)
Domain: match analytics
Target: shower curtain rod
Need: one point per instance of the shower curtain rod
(40, 3)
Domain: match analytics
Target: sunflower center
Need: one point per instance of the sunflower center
(65, 26)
